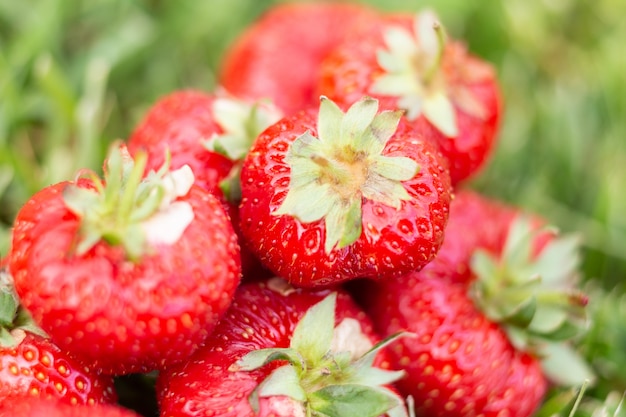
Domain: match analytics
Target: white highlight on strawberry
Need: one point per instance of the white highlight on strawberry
(168, 224)
(349, 337)
(283, 406)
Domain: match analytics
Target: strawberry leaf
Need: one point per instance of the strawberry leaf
(563, 365)
(258, 358)
(282, 381)
(313, 335)
(8, 300)
(353, 401)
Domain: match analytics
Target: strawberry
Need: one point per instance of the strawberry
(208, 132)
(407, 62)
(129, 273)
(211, 133)
(28, 407)
(281, 351)
(31, 365)
(488, 341)
(330, 196)
(278, 55)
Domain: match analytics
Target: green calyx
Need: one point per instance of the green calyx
(412, 65)
(241, 123)
(328, 379)
(331, 174)
(14, 319)
(534, 298)
(129, 209)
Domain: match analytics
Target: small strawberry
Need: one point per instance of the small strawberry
(492, 343)
(331, 196)
(287, 352)
(31, 365)
(278, 55)
(29, 407)
(407, 62)
(128, 274)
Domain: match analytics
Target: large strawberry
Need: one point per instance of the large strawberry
(489, 340)
(31, 365)
(330, 196)
(287, 352)
(29, 407)
(278, 55)
(128, 274)
(406, 62)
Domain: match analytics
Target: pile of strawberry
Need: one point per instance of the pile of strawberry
(299, 242)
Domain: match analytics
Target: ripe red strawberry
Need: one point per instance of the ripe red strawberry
(28, 407)
(278, 55)
(288, 352)
(406, 62)
(31, 365)
(211, 133)
(128, 274)
(208, 132)
(490, 339)
(37, 367)
(331, 196)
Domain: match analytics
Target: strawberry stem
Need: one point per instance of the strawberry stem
(432, 71)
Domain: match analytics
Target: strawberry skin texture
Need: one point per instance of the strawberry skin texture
(467, 210)
(259, 317)
(28, 407)
(38, 368)
(277, 56)
(392, 241)
(178, 123)
(348, 72)
(458, 362)
(115, 315)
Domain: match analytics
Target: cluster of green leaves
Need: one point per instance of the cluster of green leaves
(76, 75)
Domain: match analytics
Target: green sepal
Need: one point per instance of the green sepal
(241, 123)
(282, 381)
(231, 184)
(116, 208)
(313, 334)
(331, 175)
(522, 315)
(258, 358)
(533, 298)
(6, 338)
(564, 366)
(13, 317)
(351, 400)
(8, 300)
(563, 402)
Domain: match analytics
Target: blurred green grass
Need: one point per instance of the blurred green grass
(75, 75)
